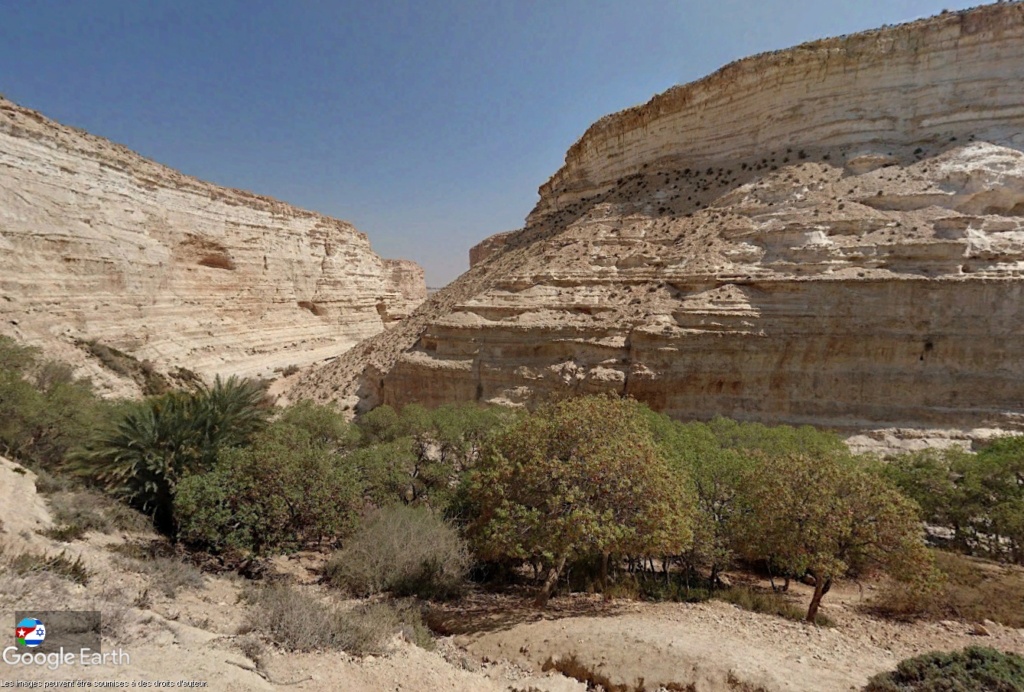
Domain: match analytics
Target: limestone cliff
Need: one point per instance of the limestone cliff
(832, 234)
(98, 244)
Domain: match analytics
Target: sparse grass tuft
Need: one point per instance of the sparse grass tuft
(767, 602)
(61, 565)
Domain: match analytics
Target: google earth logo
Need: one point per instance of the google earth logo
(30, 632)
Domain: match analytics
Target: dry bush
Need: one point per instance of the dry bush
(167, 573)
(297, 621)
(61, 565)
(76, 512)
(251, 647)
(171, 574)
(570, 666)
(969, 589)
(408, 551)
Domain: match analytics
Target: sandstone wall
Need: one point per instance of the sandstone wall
(98, 243)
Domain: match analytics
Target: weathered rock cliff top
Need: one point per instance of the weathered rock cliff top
(98, 244)
(832, 234)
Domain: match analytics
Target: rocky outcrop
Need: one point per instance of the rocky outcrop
(98, 244)
(832, 234)
(488, 246)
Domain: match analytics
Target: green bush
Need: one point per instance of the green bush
(969, 670)
(408, 551)
(143, 456)
(44, 410)
(284, 490)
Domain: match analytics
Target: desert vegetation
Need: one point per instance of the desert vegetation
(595, 494)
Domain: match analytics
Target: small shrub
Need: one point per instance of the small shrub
(973, 668)
(65, 533)
(408, 551)
(299, 622)
(78, 512)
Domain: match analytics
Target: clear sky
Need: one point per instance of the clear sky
(428, 124)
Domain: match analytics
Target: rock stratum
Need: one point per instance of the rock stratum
(102, 247)
(831, 234)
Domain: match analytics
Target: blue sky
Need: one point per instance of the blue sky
(428, 124)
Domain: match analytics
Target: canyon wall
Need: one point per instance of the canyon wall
(100, 246)
(832, 234)
(955, 74)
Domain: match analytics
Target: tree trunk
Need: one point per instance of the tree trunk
(605, 557)
(549, 583)
(821, 587)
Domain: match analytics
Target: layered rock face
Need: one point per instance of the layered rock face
(100, 244)
(832, 234)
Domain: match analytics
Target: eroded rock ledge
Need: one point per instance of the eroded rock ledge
(100, 244)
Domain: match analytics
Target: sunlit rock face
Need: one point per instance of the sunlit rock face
(831, 234)
(98, 243)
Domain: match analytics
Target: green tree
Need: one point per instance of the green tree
(830, 518)
(980, 497)
(577, 478)
(418, 456)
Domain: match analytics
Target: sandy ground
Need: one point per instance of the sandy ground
(495, 642)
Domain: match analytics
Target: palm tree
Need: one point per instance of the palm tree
(144, 454)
